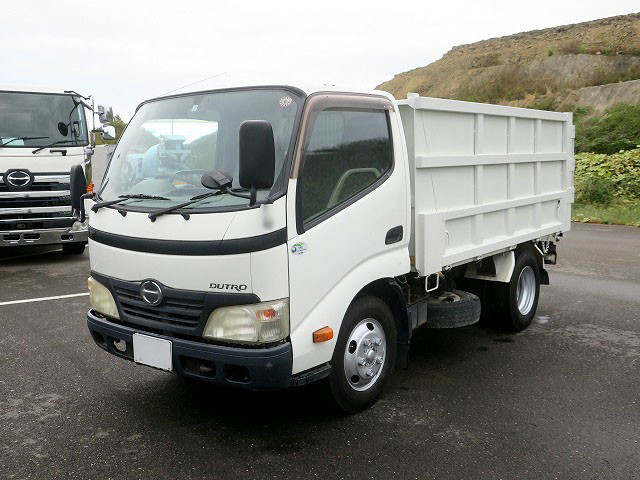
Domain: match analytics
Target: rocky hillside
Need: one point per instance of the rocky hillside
(552, 68)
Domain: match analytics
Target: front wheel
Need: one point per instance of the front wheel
(364, 355)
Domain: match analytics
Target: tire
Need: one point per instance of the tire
(76, 248)
(368, 325)
(452, 310)
(515, 306)
(483, 290)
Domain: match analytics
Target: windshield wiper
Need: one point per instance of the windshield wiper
(50, 145)
(192, 200)
(21, 138)
(122, 198)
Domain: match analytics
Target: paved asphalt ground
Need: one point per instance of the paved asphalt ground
(560, 400)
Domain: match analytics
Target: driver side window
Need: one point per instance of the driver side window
(349, 150)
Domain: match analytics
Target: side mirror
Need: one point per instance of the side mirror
(105, 114)
(63, 128)
(257, 156)
(108, 132)
(78, 188)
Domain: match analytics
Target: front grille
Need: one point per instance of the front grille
(178, 309)
(43, 186)
(182, 313)
(48, 197)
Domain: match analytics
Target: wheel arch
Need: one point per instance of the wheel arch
(390, 292)
(537, 254)
(499, 267)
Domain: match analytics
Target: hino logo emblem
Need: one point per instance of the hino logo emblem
(18, 178)
(151, 292)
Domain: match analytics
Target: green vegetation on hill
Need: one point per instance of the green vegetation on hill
(617, 129)
(608, 187)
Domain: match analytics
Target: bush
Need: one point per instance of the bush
(602, 179)
(617, 129)
(572, 47)
(595, 190)
(544, 103)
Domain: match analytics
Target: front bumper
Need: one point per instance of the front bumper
(256, 369)
(13, 238)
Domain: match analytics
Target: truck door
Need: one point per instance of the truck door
(350, 208)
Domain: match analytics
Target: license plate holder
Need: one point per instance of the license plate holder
(152, 351)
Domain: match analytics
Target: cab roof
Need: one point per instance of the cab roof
(31, 89)
(229, 82)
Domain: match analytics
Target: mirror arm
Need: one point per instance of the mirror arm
(252, 197)
(81, 215)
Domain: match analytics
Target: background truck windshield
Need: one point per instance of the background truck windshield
(38, 119)
(170, 143)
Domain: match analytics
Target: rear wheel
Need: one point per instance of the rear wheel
(76, 248)
(516, 302)
(363, 357)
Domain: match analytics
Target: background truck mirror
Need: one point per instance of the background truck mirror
(105, 114)
(108, 132)
(63, 128)
(257, 154)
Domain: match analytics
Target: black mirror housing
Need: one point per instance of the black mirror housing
(63, 128)
(78, 187)
(257, 154)
(216, 180)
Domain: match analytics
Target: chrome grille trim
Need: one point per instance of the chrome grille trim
(35, 194)
(26, 210)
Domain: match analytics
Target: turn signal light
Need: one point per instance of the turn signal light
(90, 187)
(322, 335)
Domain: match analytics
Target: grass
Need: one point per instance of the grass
(620, 214)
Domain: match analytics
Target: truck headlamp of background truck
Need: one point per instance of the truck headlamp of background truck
(350, 217)
(43, 133)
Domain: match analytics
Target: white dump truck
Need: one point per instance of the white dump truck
(43, 132)
(272, 236)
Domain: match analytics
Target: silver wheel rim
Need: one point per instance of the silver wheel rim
(365, 354)
(526, 290)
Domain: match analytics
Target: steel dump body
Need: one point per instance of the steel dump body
(484, 178)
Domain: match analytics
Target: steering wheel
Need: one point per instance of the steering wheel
(126, 172)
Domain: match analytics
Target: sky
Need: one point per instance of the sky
(123, 52)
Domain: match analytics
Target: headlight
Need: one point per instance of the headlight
(101, 299)
(257, 323)
(79, 226)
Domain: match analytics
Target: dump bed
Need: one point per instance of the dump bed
(484, 178)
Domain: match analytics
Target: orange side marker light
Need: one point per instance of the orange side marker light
(322, 335)
(90, 188)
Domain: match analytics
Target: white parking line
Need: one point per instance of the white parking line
(43, 299)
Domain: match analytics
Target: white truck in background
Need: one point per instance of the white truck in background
(43, 133)
(272, 236)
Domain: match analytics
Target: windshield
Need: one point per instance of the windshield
(39, 119)
(170, 143)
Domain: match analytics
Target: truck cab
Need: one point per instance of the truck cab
(262, 237)
(43, 133)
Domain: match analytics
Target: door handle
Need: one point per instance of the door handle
(394, 235)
